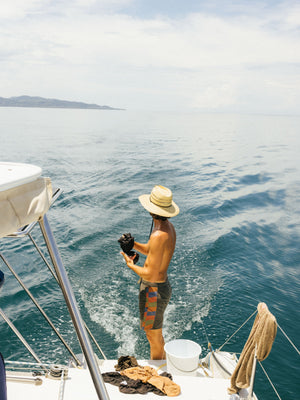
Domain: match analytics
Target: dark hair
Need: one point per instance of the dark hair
(159, 217)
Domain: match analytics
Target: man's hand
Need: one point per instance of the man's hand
(128, 260)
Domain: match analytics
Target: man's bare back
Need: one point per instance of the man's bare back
(161, 248)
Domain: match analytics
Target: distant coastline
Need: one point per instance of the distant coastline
(41, 102)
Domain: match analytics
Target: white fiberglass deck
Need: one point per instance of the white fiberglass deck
(80, 386)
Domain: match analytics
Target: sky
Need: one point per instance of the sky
(170, 55)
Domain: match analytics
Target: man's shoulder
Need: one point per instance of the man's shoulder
(159, 234)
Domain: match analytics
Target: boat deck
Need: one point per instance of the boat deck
(79, 385)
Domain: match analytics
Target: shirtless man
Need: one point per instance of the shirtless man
(155, 289)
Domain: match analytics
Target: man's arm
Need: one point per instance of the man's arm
(142, 248)
(154, 259)
(142, 272)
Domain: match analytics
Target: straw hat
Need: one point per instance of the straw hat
(160, 202)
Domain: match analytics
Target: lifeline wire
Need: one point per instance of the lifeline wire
(238, 330)
(271, 383)
(288, 339)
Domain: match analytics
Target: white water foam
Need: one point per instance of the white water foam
(115, 315)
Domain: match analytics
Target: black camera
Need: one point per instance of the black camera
(127, 242)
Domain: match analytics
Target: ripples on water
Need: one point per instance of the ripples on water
(236, 180)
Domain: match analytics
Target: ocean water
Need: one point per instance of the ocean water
(236, 180)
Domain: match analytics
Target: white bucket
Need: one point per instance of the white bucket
(182, 357)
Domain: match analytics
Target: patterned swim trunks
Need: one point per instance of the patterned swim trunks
(153, 300)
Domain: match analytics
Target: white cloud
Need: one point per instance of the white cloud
(16, 9)
(200, 61)
(289, 18)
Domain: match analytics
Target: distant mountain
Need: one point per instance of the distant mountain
(40, 102)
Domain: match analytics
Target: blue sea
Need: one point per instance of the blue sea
(236, 181)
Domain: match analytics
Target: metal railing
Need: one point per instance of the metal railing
(61, 277)
(73, 309)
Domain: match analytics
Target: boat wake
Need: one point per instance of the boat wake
(112, 303)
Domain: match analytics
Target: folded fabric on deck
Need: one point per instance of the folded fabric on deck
(149, 375)
(133, 378)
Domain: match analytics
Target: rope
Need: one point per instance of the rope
(26, 363)
(161, 366)
(208, 342)
(237, 330)
(220, 364)
(265, 372)
(62, 385)
(21, 369)
(201, 366)
(288, 339)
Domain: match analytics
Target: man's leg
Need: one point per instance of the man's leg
(157, 343)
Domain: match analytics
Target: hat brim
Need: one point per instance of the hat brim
(168, 212)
